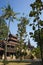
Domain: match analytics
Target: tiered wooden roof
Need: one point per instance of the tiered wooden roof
(12, 40)
(11, 43)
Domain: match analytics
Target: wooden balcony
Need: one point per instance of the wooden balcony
(11, 49)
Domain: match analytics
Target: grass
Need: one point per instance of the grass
(24, 63)
(14, 63)
(20, 63)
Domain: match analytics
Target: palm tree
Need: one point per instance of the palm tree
(3, 29)
(8, 14)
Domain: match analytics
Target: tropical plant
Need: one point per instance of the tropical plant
(37, 24)
(22, 34)
(36, 52)
(3, 29)
(8, 14)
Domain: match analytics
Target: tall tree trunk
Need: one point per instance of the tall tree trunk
(41, 49)
(40, 43)
(41, 54)
(5, 54)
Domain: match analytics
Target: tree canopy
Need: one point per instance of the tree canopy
(37, 24)
(22, 34)
(3, 29)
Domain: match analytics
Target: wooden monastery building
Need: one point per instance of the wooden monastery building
(11, 44)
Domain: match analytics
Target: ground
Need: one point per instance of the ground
(29, 62)
(22, 63)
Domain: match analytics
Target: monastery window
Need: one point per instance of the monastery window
(8, 46)
(12, 46)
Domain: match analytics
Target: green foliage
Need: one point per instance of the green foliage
(32, 13)
(36, 36)
(40, 22)
(22, 28)
(31, 33)
(37, 52)
(33, 27)
(8, 13)
(22, 34)
(20, 54)
(3, 29)
(37, 24)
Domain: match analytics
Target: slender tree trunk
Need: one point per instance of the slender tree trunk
(40, 43)
(41, 53)
(5, 53)
(42, 61)
(42, 58)
(41, 49)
